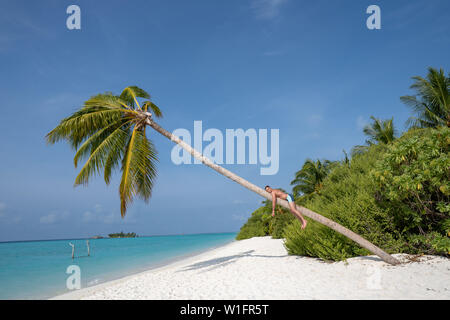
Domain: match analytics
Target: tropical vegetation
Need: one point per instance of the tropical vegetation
(431, 104)
(394, 191)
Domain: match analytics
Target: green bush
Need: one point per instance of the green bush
(282, 219)
(261, 223)
(396, 196)
(414, 180)
(258, 225)
(318, 241)
(348, 197)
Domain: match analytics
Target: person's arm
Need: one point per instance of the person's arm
(274, 202)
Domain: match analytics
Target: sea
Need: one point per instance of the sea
(44, 269)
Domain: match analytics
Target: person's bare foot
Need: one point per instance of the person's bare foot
(304, 223)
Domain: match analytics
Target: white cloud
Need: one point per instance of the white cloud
(2, 209)
(272, 53)
(54, 217)
(88, 217)
(98, 215)
(361, 122)
(16, 219)
(267, 9)
(109, 218)
(314, 119)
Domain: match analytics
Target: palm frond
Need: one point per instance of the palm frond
(109, 130)
(138, 170)
(131, 93)
(431, 104)
(309, 178)
(97, 113)
(380, 131)
(91, 144)
(98, 157)
(156, 111)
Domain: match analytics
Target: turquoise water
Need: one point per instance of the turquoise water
(37, 269)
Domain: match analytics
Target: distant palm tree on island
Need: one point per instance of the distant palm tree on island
(123, 235)
(110, 130)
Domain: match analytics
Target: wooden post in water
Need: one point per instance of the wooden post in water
(73, 249)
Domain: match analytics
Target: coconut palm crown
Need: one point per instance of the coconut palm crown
(309, 178)
(432, 100)
(109, 131)
(380, 131)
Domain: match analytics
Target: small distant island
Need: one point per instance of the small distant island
(123, 235)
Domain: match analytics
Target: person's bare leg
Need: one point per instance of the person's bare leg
(298, 214)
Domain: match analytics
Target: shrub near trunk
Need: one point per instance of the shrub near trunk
(348, 197)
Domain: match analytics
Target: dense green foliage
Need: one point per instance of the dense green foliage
(414, 180)
(395, 195)
(261, 223)
(347, 197)
(395, 192)
(256, 226)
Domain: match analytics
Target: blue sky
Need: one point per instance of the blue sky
(311, 69)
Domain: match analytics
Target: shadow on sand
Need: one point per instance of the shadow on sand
(223, 261)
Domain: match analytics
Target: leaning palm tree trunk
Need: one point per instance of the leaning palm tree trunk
(311, 214)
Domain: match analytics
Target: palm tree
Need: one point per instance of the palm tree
(380, 131)
(432, 101)
(309, 178)
(110, 130)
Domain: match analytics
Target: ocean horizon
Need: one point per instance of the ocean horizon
(36, 269)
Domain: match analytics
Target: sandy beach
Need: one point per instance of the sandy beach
(260, 268)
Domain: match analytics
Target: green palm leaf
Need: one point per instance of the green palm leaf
(109, 130)
(380, 131)
(309, 179)
(98, 157)
(91, 144)
(150, 105)
(130, 95)
(138, 169)
(431, 104)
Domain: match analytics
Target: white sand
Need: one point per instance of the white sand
(259, 268)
